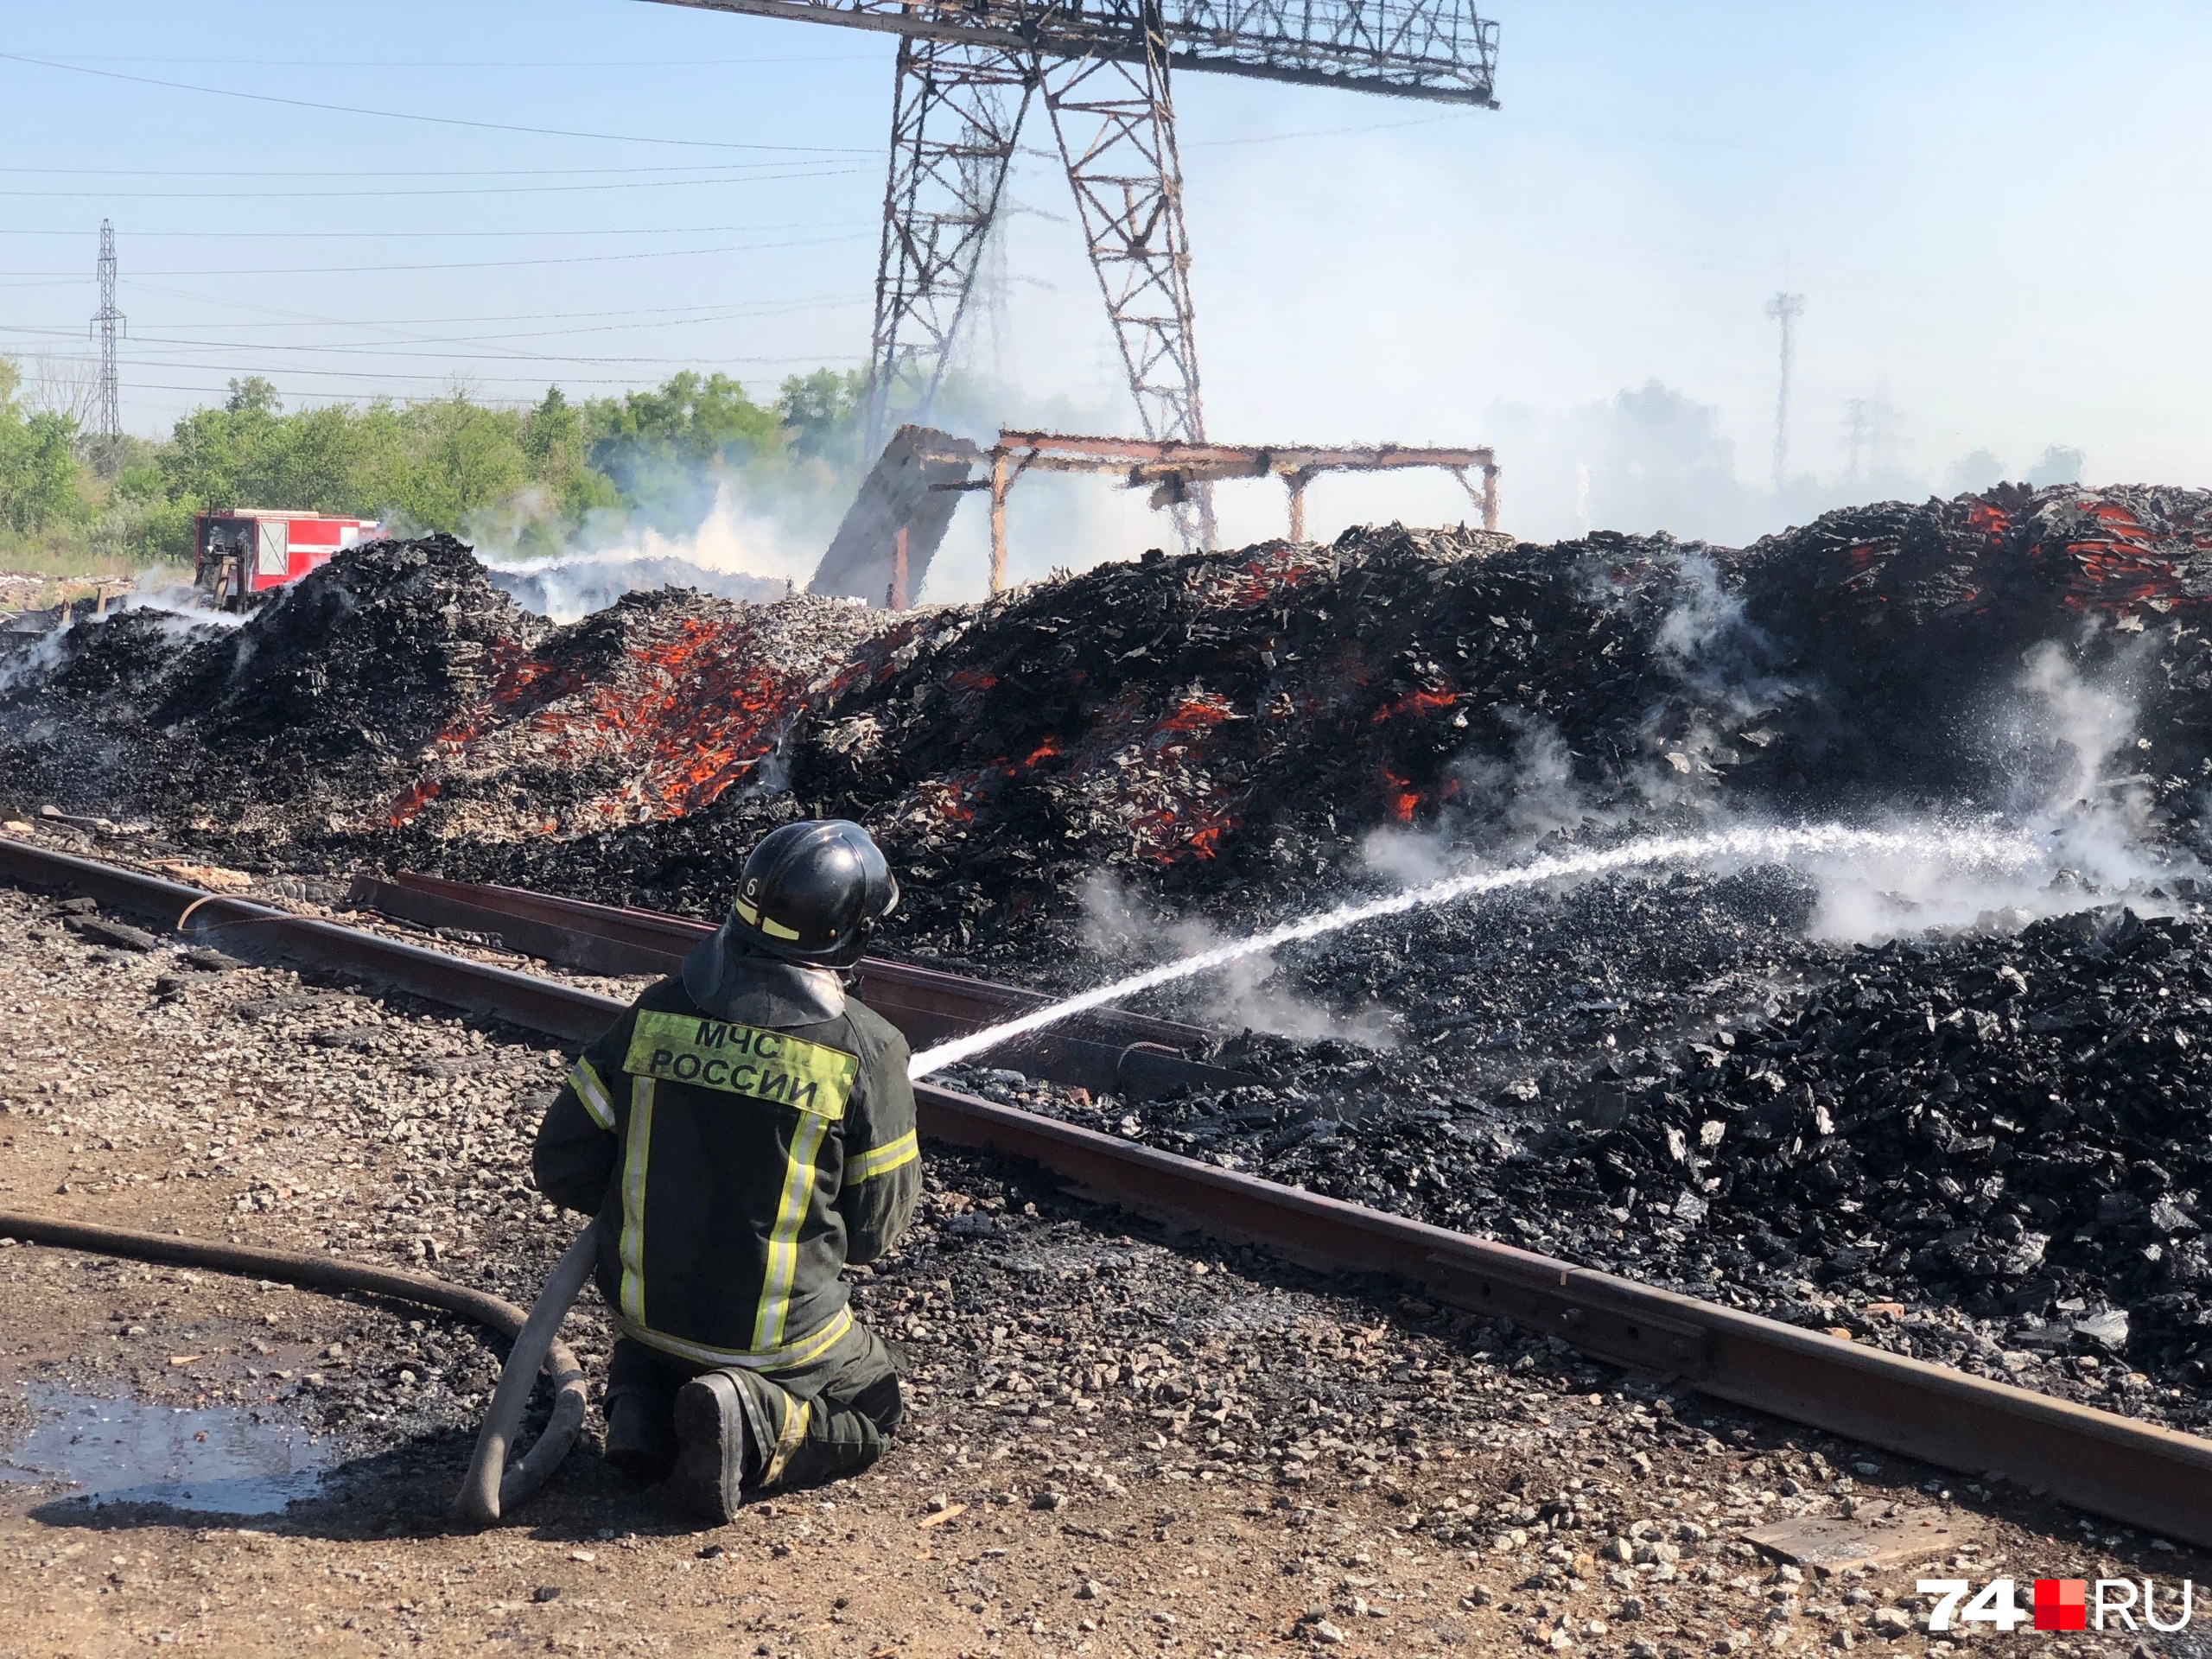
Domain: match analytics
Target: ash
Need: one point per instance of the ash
(1988, 1151)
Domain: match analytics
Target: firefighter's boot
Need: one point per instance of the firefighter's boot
(717, 1449)
(641, 1433)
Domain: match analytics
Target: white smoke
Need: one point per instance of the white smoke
(180, 612)
(738, 551)
(1726, 849)
(2079, 797)
(161, 589)
(1244, 995)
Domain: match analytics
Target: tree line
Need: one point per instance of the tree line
(531, 476)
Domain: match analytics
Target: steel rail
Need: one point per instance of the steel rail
(2138, 1473)
(1108, 1050)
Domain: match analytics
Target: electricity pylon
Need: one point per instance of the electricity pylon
(1784, 309)
(108, 416)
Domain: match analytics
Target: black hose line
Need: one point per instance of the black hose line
(480, 1501)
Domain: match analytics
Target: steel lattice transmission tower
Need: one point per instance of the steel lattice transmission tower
(968, 72)
(1784, 309)
(109, 415)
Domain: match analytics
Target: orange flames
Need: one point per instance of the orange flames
(1194, 714)
(2118, 568)
(1400, 798)
(1412, 702)
(404, 809)
(697, 703)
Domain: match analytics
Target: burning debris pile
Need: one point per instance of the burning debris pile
(1220, 728)
(1214, 723)
(1225, 728)
(394, 699)
(1912, 626)
(648, 711)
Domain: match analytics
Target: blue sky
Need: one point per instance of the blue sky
(1995, 214)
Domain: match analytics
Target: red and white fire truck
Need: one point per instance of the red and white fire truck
(241, 553)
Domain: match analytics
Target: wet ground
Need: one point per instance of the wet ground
(94, 1451)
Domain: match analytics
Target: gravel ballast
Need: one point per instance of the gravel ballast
(1117, 1438)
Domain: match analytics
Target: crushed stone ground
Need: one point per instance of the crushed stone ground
(1123, 1443)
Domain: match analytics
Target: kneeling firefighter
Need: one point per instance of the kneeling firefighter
(743, 1133)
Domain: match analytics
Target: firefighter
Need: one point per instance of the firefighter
(743, 1131)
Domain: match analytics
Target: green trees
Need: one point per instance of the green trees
(822, 413)
(668, 450)
(527, 477)
(38, 462)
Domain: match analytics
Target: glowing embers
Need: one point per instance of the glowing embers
(2135, 554)
(1261, 578)
(1132, 773)
(1403, 801)
(1414, 702)
(417, 797)
(649, 710)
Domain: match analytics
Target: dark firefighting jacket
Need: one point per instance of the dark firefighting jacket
(741, 1133)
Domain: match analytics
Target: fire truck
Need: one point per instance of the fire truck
(240, 554)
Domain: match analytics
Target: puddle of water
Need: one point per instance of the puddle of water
(214, 1459)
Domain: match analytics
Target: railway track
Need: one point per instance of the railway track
(1106, 1050)
(2135, 1472)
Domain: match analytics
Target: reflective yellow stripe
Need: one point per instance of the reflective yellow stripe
(634, 1154)
(763, 1063)
(808, 1347)
(783, 1242)
(795, 1421)
(768, 925)
(750, 1388)
(590, 1091)
(881, 1161)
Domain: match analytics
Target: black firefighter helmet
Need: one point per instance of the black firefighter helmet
(812, 892)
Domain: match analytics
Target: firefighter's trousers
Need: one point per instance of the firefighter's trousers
(829, 1417)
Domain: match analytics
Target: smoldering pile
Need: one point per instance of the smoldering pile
(270, 733)
(1222, 729)
(2010, 1130)
(394, 700)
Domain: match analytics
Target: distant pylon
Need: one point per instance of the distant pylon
(1784, 309)
(105, 321)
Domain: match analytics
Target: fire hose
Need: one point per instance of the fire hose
(494, 1485)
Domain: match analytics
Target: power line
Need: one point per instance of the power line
(760, 308)
(366, 172)
(235, 371)
(823, 171)
(420, 349)
(426, 348)
(382, 236)
(433, 120)
(688, 360)
(72, 60)
(478, 265)
(309, 320)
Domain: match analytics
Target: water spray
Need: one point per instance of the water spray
(1988, 846)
